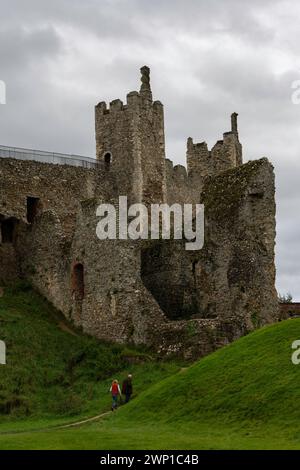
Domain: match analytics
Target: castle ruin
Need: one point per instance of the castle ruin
(151, 292)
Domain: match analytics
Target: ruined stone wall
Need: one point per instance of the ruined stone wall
(58, 187)
(225, 154)
(131, 291)
(180, 188)
(40, 251)
(232, 279)
(237, 268)
(183, 185)
(198, 158)
(151, 292)
(116, 305)
(9, 266)
(197, 337)
(168, 272)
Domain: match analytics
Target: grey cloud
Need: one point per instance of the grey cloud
(207, 59)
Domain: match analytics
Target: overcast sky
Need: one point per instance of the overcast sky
(207, 59)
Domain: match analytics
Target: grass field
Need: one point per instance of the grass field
(54, 373)
(244, 396)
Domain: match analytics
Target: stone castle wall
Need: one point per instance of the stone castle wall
(39, 250)
(150, 292)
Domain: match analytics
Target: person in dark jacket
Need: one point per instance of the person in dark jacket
(127, 388)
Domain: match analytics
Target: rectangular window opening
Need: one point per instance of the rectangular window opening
(32, 208)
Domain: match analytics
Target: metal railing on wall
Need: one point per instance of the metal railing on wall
(48, 157)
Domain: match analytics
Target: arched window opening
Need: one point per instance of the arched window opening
(78, 281)
(107, 160)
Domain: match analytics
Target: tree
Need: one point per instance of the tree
(285, 298)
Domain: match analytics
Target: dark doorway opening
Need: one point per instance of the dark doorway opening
(78, 281)
(32, 208)
(167, 273)
(8, 230)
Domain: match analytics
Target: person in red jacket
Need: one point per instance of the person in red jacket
(115, 392)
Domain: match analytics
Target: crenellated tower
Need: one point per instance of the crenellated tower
(130, 140)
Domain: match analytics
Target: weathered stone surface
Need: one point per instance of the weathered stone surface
(152, 292)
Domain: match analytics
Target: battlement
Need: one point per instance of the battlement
(134, 100)
(130, 139)
(225, 154)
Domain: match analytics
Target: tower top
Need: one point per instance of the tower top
(145, 89)
(234, 125)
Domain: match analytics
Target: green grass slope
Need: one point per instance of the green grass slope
(253, 381)
(55, 373)
(244, 396)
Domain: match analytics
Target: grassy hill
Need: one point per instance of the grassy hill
(244, 396)
(53, 371)
(252, 381)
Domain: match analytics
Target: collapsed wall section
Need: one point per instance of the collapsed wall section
(233, 275)
(225, 154)
(239, 247)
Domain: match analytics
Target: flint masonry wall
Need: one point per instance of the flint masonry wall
(40, 251)
(239, 277)
(151, 292)
(181, 188)
(237, 258)
(116, 305)
(234, 274)
(58, 188)
(168, 271)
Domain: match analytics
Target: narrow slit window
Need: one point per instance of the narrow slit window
(32, 208)
(78, 281)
